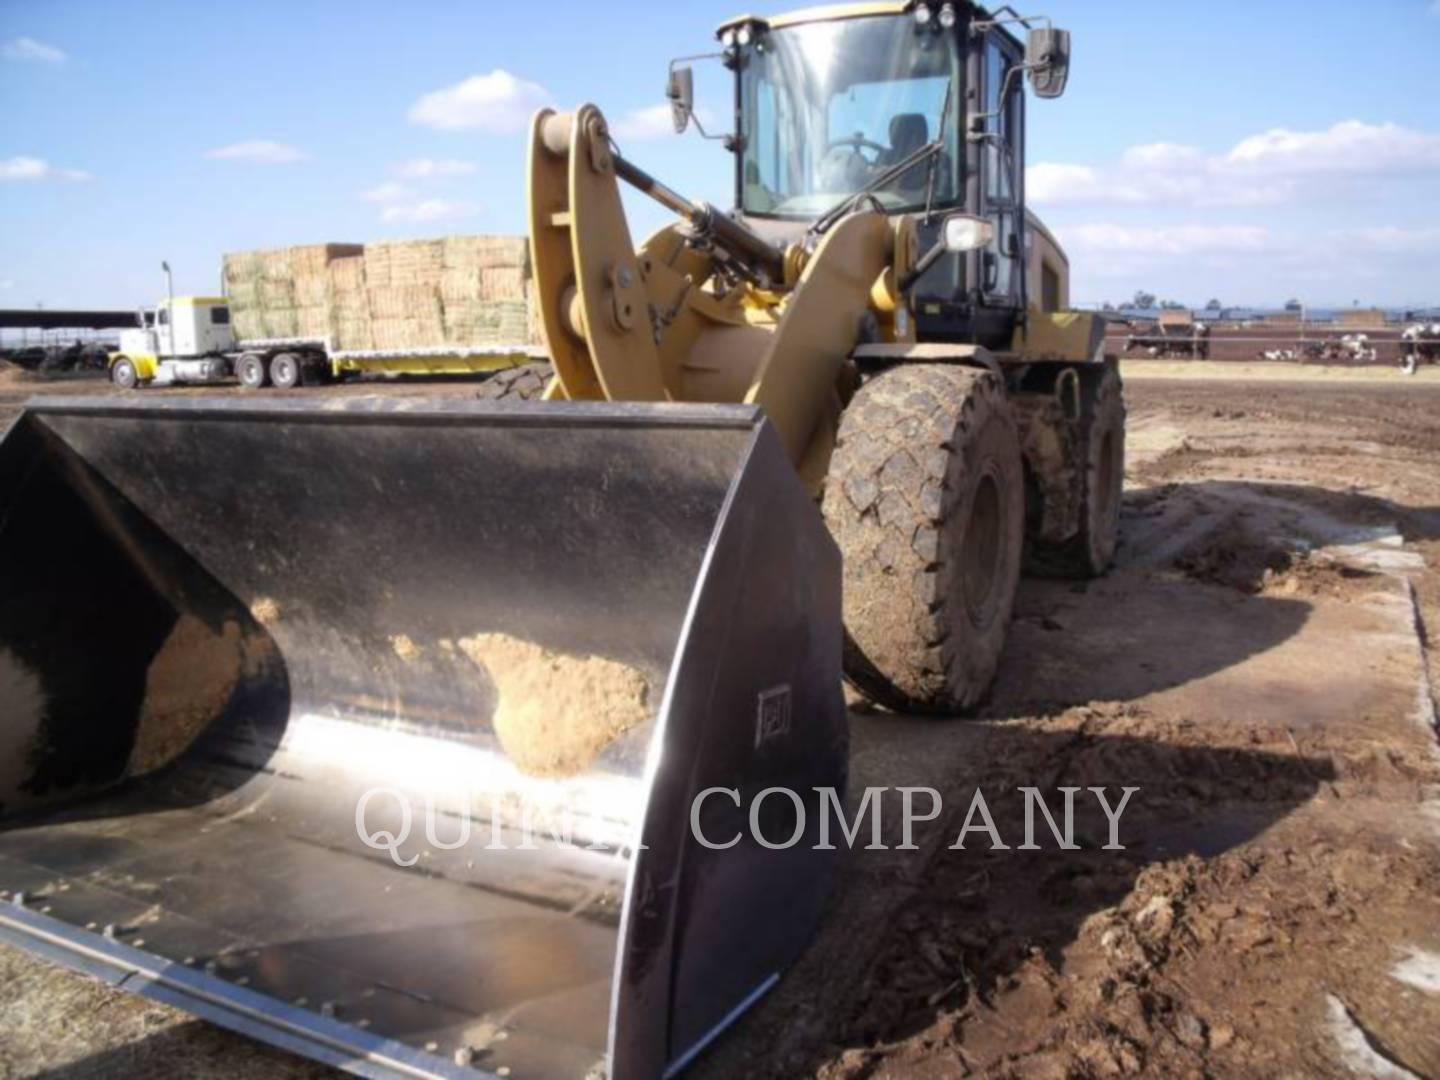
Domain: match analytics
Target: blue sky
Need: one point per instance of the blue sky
(1247, 151)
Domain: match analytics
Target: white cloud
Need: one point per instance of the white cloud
(258, 152)
(651, 122)
(429, 210)
(1390, 240)
(386, 192)
(430, 169)
(1264, 169)
(1351, 146)
(1163, 157)
(7, 284)
(24, 48)
(29, 168)
(497, 102)
(654, 122)
(1166, 241)
(418, 172)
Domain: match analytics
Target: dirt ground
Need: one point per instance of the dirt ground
(1258, 665)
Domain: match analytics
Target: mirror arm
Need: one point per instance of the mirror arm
(731, 141)
(926, 261)
(1027, 21)
(977, 132)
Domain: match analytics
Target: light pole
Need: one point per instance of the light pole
(169, 304)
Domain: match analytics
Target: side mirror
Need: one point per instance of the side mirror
(1047, 55)
(966, 232)
(680, 89)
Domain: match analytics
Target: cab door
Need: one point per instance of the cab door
(1002, 168)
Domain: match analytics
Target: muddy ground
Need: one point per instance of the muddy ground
(1258, 665)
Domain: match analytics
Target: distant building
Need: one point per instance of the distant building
(1362, 319)
(1282, 318)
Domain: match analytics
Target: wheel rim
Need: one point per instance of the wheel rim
(124, 375)
(284, 373)
(981, 561)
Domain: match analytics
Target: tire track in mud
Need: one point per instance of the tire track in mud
(1282, 864)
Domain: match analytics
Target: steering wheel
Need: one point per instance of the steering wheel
(856, 143)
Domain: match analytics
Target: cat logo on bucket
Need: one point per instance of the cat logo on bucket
(772, 714)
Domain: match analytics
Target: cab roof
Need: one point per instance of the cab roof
(824, 13)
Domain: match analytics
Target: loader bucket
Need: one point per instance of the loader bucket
(374, 728)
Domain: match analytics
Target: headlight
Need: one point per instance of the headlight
(965, 232)
(947, 17)
(922, 15)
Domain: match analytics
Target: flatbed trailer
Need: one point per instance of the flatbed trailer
(288, 362)
(189, 340)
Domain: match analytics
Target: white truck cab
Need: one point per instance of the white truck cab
(187, 339)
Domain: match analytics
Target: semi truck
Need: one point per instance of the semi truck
(191, 340)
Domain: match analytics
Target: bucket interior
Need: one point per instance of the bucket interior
(223, 630)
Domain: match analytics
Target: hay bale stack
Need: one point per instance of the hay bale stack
(404, 262)
(397, 294)
(284, 292)
(485, 252)
(405, 316)
(349, 304)
(483, 290)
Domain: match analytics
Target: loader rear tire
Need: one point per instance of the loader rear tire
(1091, 550)
(524, 383)
(925, 496)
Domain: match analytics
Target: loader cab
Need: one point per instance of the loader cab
(828, 99)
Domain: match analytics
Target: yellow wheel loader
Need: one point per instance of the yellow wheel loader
(429, 738)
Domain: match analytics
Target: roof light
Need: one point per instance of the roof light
(947, 16)
(922, 15)
(743, 36)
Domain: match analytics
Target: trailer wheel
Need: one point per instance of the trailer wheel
(1101, 448)
(123, 373)
(250, 370)
(524, 383)
(925, 497)
(285, 371)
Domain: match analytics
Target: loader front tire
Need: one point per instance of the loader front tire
(925, 497)
(1101, 446)
(524, 383)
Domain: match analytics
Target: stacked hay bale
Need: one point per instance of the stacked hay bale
(456, 291)
(241, 273)
(483, 290)
(284, 292)
(349, 315)
(402, 280)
